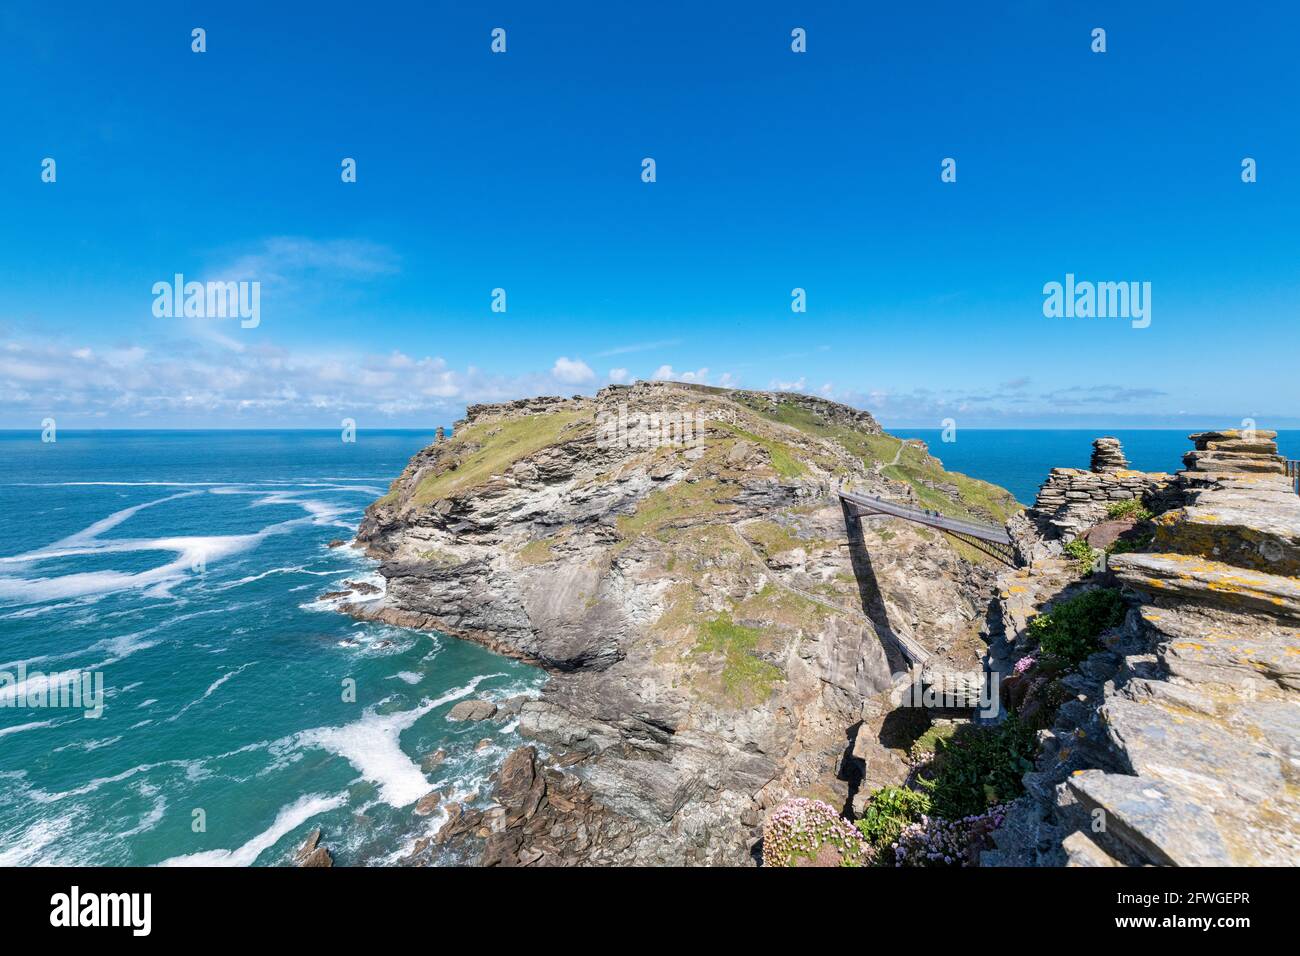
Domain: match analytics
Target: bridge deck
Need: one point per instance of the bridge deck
(973, 529)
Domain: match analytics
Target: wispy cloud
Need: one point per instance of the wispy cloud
(288, 260)
(640, 347)
(199, 383)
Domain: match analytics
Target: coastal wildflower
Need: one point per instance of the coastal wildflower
(803, 831)
(934, 841)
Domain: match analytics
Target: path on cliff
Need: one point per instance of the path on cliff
(878, 467)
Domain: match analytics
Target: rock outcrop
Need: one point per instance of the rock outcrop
(473, 710)
(1235, 451)
(1182, 743)
(710, 622)
(312, 854)
(1107, 456)
(1073, 500)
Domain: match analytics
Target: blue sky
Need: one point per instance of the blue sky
(775, 170)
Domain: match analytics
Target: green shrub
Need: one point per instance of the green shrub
(891, 809)
(1131, 508)
(1132, 542)
(1069, 631)
(980, 767)
(1084, 555)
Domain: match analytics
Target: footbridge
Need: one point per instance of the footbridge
(988, 538)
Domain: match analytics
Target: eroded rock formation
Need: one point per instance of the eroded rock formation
(1181, 745)
(710, 623)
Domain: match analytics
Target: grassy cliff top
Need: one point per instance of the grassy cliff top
(787, 437)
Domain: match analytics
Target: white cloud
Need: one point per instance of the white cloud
(665, 373)
(796, 386)
(197, 382)
(572, 371)
(284, 259)
(618, 375)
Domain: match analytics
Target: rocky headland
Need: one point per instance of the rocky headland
(723, 637)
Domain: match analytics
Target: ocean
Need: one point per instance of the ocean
(187, 569)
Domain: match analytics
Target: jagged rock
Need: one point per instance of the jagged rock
(428, 803)
(520, 788)
(1236, 533)
(472, 710)
(1204, 646)
(311, 854)
(1233, 434)
(1153, 818)
(1080, 850)
(511, 706)
(432, 760)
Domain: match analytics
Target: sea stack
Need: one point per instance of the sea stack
(439, 434)
(1107, 456)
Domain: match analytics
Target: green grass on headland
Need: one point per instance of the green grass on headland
(745, 678)
(502, 444)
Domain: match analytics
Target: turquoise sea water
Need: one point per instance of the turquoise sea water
(185, 567)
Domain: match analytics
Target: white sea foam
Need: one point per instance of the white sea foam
(151, 819)
(191, 551)
(26, 848)
(6, 731)
(288, 819)
(372, 746)
(212, 688)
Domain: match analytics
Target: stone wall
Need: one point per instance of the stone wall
(1073, 500)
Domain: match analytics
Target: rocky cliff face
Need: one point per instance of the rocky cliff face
(1179, 745)
(676, 556)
